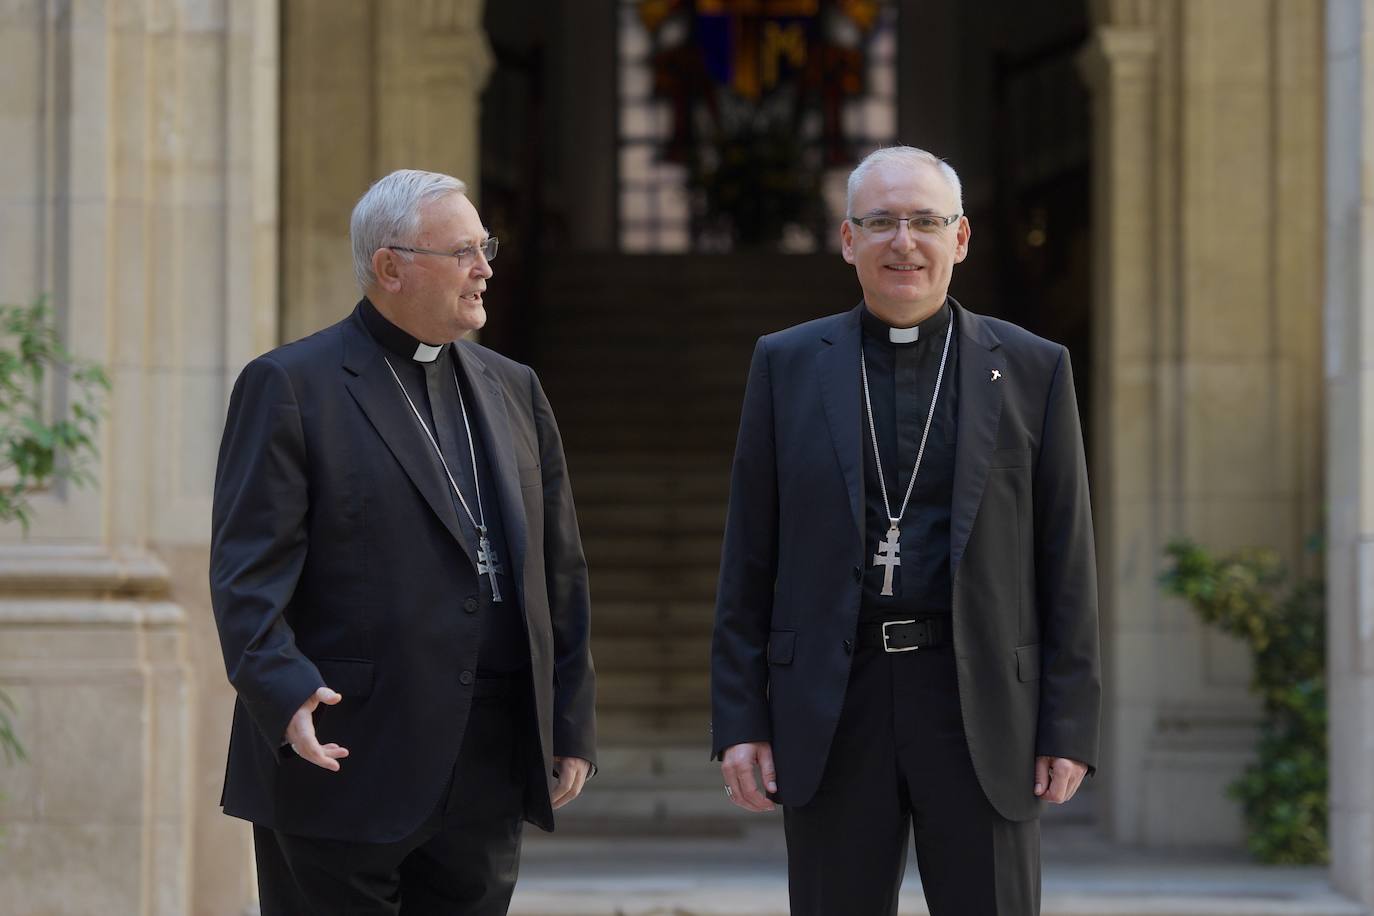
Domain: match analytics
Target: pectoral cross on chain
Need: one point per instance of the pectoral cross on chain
(889, 555)
(489, 564)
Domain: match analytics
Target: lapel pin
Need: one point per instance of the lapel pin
(996, 374)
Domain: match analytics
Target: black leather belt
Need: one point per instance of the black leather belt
(903, 635)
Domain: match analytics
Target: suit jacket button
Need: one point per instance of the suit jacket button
(858, 573)
(849, 647)
(465, 678)
(470, 605)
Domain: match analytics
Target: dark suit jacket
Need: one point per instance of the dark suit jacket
(1021, 557)
(337, 558)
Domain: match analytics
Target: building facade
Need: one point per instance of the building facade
(178, 177)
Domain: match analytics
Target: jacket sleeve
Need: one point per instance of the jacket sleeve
(748, 570)
(1066, 582)
(258, 546)
(565, 570)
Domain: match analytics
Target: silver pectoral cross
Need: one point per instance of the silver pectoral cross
(889, 553)
(489, 564)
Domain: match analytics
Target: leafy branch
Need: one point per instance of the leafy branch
(37, 450)
(38, 445)
(1251, 595)
(9, 741)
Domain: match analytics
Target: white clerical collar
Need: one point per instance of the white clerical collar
(424, 353)
(904, 335)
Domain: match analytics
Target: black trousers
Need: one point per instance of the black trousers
(900, 762)
(462, 861)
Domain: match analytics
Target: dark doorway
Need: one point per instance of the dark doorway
(995, 88)
(643, 355)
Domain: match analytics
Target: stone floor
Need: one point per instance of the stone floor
(1083, 876)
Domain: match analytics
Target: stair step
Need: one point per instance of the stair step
(635, 584)
(697, 551)
(650, 466)
(679, 690)
(650, 727)
(651, 518)
(601, 474)
(653, 654)
(661, 803)
(646, 618)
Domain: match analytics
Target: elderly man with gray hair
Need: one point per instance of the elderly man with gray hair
(400, 589)
(906, 625)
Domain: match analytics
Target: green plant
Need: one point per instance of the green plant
(1252, 595)
(9, 741)
(38, 446)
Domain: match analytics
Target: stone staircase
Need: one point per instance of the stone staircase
(644, 359)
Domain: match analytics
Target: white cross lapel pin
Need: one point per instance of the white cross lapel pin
(996, 374)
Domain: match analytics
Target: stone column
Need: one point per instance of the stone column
(101, 817)
(1121, 69)
(369, 86)
(1206, 371)
(139, 191)
(1350, 438)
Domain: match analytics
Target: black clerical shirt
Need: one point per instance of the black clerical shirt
(503, 647)
(901, 380)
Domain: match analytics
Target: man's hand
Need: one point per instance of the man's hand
(300, 731)
(1058, 778)
(572, 776)
(737, 766)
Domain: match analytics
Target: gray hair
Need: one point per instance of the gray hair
(389, 214)
(902, 155)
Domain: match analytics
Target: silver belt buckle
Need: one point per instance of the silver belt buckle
(894, 623)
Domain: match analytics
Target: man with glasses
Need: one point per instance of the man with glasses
(906, 623)
(400, 588)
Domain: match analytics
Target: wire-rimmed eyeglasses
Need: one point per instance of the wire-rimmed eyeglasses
(885, 227)
(463, 255)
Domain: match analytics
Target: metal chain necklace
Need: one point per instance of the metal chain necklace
(889, 551)
(487, 561)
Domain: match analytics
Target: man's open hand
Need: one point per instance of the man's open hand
(737, 765)
(1057, 778)
(300, 731)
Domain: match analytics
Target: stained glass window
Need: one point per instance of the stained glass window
(740, 119)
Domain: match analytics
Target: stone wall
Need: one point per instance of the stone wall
(1350, 437)
(368, 86)
(138, 190)
(1207, 370)
(100, 817)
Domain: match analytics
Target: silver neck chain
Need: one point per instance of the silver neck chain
(895, 520)
(479, 521)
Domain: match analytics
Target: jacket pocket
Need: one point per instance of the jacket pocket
(781, 643)
(1028, 662)
(351, 677)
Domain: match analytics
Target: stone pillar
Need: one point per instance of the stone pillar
(1350, 438)
(100, 819)
(369, 86)
(139, 191)
(1121, 67)
(1206, 371)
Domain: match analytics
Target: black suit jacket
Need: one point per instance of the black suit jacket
(337, 558)
(1021, 557)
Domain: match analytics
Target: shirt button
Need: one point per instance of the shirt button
(470, 605)
(465, 678)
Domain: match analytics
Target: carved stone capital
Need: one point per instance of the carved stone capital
(1118, 55)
